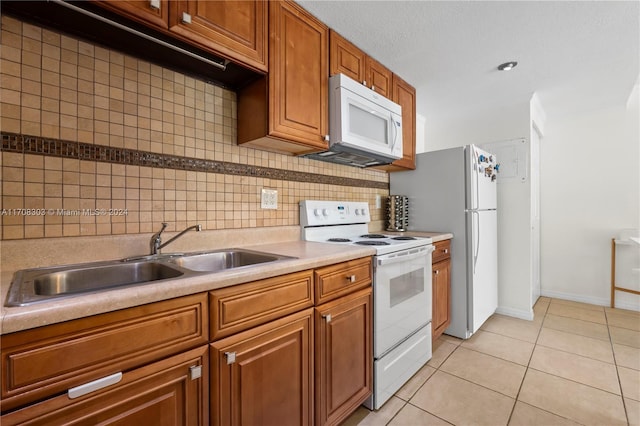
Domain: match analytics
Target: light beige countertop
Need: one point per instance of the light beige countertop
(435, 236)
(307, 255)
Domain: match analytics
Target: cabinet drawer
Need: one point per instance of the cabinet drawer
(47, 360)
(343, 278)
(442, 250)
(241, 307)
(164, 392)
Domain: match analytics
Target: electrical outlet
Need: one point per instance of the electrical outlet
(378, 201)
(269, 198)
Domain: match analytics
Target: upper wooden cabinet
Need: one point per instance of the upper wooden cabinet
(348, 59)
(287, 111)
(154, 12)
(236, 29)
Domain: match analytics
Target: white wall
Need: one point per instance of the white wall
(590, 191)
(514, 198)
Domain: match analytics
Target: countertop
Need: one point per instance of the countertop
(308, 255)
(435, 236)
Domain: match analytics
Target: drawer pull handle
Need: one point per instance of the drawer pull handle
(186, 18)
(327, 318)
(351, 278)
(81, 390)
(154, 4)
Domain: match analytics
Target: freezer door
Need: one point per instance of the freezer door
(483, 267)
(481, 179)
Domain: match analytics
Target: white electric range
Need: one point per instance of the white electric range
(401, 289)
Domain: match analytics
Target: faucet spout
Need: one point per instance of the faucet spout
(156, 248)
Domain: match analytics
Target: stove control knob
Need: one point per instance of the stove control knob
(357, 212)
(317, 212)
(325, 212)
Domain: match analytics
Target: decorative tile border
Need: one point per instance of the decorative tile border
(17, 143)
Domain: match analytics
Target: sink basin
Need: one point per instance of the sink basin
(43, 284)
(220, 260)
(46, 283)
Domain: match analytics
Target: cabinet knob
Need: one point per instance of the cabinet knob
(436, 272)
(154, 4)
(326, 138)
(327, 318)
(351, 278)
(231, 357)
(364, 83)
(445, 251)
(186, 18)
(195, 372)
(373, 87)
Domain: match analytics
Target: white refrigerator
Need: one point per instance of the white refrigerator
(454, 190)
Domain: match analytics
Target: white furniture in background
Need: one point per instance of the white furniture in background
(628, 237)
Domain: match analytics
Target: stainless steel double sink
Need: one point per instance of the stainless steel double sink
(44, 284)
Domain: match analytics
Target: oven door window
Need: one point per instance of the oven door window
(406, 287)
(402, 299)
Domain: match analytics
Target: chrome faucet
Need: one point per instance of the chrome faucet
(156, 240)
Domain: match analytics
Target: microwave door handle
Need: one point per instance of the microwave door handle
(395, 132)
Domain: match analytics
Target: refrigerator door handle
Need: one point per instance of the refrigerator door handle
(476, 246)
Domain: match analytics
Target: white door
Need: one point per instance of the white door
(535, 216)
(484, 267)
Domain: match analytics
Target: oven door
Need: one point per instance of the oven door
(402, 296)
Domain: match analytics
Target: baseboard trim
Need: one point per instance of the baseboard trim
(591, 300)
(516, 313)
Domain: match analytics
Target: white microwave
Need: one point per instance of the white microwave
(365, 128)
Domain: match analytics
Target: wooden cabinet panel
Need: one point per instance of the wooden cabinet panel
(237, 29)
(378, 78)
(154, 12)
(341, 279)
(263, 376)
(346, 58)
(441, 293)
(288, 110)
(344, 357)
(442, 250)
(40, 362)
(405, 95)
(162, 393)
(241, 307)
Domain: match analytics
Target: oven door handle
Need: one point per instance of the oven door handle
(405, 256)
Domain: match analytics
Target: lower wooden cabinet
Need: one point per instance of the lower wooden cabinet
(264, 376)
(441, 293)
(343, 356)
(173, 391)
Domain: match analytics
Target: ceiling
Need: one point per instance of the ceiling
(574, 55)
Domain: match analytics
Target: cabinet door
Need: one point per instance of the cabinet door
(236, 29)
(405, 95)
(298, 75)
(345, 58)
(170, 392)
(441, 297)
(263, 376)
(378, 77)
(344, 356)
(154, 12)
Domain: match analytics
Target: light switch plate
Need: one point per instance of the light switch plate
(269, 198)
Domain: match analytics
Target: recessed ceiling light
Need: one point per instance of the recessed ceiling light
(507, 66)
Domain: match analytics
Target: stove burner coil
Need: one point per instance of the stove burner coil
(403, 238)
(339, 240)
(373, 236)
(372, 243)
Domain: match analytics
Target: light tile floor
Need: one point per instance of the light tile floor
(573, 364)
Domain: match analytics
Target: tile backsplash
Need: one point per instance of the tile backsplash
(95, 142)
